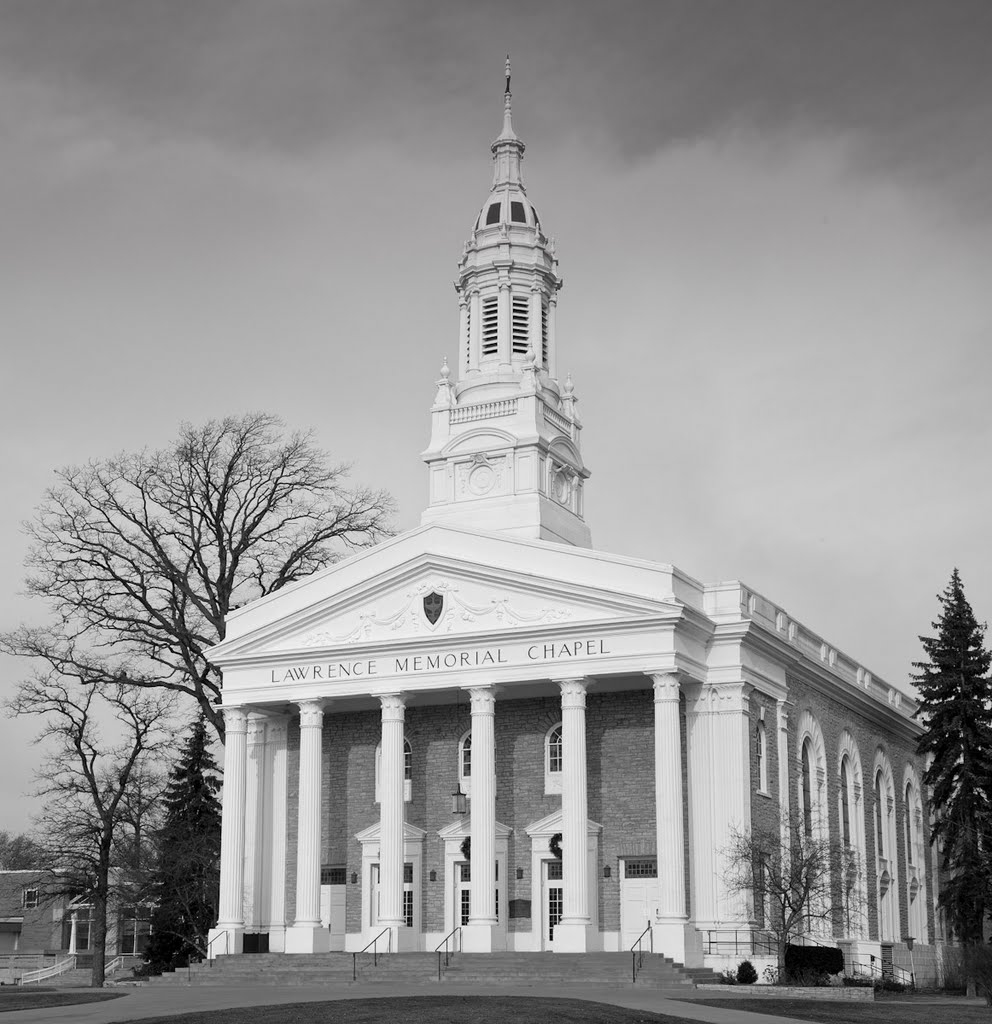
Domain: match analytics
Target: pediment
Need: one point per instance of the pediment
(411, 834)
(548, 826)
(459, 829)
(378, 597)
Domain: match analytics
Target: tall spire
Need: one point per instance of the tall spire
(507, 149)
(507, 132)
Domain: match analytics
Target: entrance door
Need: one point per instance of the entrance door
(638, 897)
(554, 901)
(407, 895)
(332, 904)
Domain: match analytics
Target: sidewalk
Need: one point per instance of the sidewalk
(157, 1001)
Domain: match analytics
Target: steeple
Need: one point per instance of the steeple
(504, 452)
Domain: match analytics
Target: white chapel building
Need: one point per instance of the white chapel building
(485, 724)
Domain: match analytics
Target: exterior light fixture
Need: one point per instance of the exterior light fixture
(520, 873)
(354, 878)
(433, 876)
(459, 802)
(607, 871)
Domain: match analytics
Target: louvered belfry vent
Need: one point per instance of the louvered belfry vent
(490, 326)
(521, 325)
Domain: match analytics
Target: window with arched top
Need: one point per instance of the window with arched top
(845, 803)
(807, 787)
(761, 757)
(916, 879)
(851, 816)
(553, 759)
(886, 835)
(465, 763)
(909, 823)
(879, 819)
(407, 771)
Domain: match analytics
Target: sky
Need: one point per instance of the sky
(774, 222)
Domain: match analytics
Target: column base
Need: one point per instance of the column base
(478, 937)
(400, 939)
(217, 946)
(306, 938)
(277, 938)
(679, 941)
(571, 937)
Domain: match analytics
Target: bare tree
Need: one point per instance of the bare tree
(89, 781)
(143, 555)
(787, 875)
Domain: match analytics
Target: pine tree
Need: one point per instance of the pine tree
(955, 710)
(187, 875)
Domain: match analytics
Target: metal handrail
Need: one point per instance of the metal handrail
(754, 944)
(876, 970)
(375, 954)
(637, 953)
(210, 959)
(444, 942)
(60, 967)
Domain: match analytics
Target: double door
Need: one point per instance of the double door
(408, 903)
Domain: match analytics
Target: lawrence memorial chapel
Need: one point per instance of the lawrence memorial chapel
(485, 723)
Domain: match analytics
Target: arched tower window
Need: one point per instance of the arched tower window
(553, 763)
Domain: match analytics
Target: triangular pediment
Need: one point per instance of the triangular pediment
(411, 834)
(548, 826)
(414, 589)
(462, 827)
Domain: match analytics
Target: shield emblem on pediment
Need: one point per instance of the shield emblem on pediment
(433, 606)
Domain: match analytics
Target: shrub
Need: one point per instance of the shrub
(770, 974)
(807, 964)
(746, 974)
(856, 981)
(728, 977)
(889, 985)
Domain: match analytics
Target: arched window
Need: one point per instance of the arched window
(760, 755)
(407, 771)
(553, 751)
(807, 770)
(465, 763)
(879, 818)
(845, 806)
(909, 823)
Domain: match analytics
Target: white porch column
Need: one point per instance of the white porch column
(669, 927)
(307, 935)
(232, 842)
(276, 791)
(571, 934)
(720, 797)
(254, 821)
(73, 932)
(477, 936)
(391, 814)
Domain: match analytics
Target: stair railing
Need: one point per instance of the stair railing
(43, 973)
(210, 945)
(444, 942)
(637, 952)
(375, 953)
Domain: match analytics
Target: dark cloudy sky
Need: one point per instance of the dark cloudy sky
(774, 223)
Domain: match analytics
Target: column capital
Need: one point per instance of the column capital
(666, 686)
(256, 728)
(393, 706)
(573, 692)
(482, 698)
(722, 698)
(235, 719)
(311, 713)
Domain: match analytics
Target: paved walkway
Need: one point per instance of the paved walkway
(160, 1001)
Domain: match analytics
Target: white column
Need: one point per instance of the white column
(503, 321)
(274, 888)
(720, 798)
(307, 935)
(254, 821)
(571, 934)
(477, 937)
(391, 813)
(73, 932)
(232, 841)
(534, 332)
(464, 342)
(669, 927)
(552, 338)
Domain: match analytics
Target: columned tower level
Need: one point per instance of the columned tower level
(504, 454)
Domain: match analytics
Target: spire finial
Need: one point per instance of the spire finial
(507, 89)
(507, 120)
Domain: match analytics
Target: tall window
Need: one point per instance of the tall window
(879, 819)
(845, 807)
(554, 750)
(807, 770)
(761, 761)
(553, 760)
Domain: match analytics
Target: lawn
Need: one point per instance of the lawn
(12, 997)
(885, 1010)
(432, 1010)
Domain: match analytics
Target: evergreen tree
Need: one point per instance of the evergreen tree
(955, 709)
(187, 875)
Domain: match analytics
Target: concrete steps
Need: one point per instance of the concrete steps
(517, 969)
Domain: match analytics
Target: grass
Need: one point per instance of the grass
(432, 1010)
(14, 997)
(885, 1010)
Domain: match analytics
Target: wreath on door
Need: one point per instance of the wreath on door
(466, 847)
(554, 845)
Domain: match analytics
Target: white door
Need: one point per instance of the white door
(407, 894)
(463, 893)
(332, 909)
(554, 900)
(638, 898)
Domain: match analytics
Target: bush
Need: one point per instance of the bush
(728, 977)
(746, 974)
(857, 981)
(889, 985)
(808, 964)
(770, 974)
